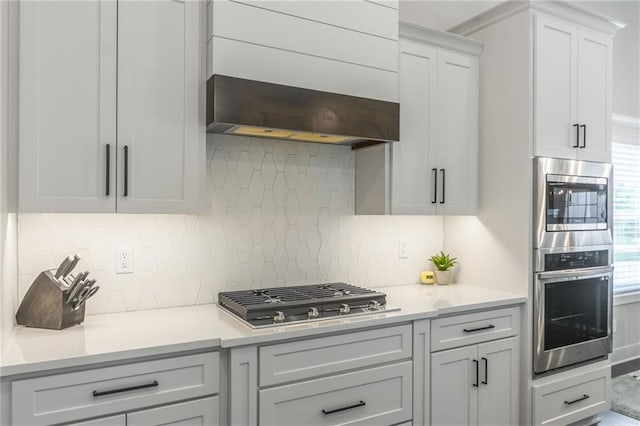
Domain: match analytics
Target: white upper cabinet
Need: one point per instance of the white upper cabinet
(158, 98)
(433, 169)
(101, 77)
(572, 87)
(413, 190)
(67, 106)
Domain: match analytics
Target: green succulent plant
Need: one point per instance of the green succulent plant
(443, 261)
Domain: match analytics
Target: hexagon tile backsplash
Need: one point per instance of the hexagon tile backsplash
(280, 213)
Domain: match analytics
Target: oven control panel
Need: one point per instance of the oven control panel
(576, 260)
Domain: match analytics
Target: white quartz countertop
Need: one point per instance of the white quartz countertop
(115, 337)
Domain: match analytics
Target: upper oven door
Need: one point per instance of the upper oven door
(575, 203)
(572, 203)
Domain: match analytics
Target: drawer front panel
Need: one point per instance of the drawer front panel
(89, 393)
(333, 354)
(201, 412)
(566, 401)
(469, 329)
(380, 396)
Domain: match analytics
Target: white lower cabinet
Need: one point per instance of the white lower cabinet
(120, 420)
(201, 412)
(567, 398)
(380, 396)
(72, 397)
(477, 384)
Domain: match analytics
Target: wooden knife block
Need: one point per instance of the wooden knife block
(43, 306)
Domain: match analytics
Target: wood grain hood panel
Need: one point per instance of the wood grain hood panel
(254, 108)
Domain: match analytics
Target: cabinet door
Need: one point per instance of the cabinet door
(498, 394)
(160, 82)
(457, 134)
(556, 86)
(120, 420)
(594, 95)
(412, 181)
(67, 106)
(454, 399)
(200, 412)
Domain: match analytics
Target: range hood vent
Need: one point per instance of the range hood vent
(253, 108)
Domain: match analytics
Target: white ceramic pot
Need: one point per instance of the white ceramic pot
(443, 277)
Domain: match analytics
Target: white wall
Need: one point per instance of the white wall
(8, 225)
(280, 213)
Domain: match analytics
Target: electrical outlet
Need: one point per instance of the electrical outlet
(124, 261)
(402, 249)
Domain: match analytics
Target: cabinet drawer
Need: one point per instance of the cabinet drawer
(202, 411)
(101, 391)
(333, 354)
(461, 330)
(575, 398)
(380, 396)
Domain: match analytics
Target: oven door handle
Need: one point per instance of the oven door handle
(570, 274)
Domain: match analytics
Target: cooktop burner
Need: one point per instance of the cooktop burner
(274, 306)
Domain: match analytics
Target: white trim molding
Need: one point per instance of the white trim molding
(440, 39)
(561, 9)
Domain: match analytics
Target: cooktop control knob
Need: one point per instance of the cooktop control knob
(344, 308)
(374, 305)
(278, 317)
(313, 313)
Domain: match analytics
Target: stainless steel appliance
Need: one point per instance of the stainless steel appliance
(572, 309)
(269, 307)
(572, 203)
(572, 262)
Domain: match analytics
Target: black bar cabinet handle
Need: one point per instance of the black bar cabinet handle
(584, 135)
(577, 126)
(475, 361)
(435, 186)
(472, 330)
(108, 173)
(337, 410)
(582, 398)
(130, 388)
(443, 186)
(486, 371)
(126, 171)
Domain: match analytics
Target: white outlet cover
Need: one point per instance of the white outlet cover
(124, 261)
(402, 249)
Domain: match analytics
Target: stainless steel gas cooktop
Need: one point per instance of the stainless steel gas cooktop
(267, 307)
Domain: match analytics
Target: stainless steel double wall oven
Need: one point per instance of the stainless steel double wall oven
(572, 262)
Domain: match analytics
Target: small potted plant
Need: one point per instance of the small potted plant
(443, 263)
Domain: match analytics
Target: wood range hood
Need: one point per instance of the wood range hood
(252, 108)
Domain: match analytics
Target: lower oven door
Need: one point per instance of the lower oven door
(573, 316)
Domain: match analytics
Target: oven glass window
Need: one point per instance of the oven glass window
(575, 311)
(571, 203)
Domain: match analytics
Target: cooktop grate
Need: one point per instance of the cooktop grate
(260, 306)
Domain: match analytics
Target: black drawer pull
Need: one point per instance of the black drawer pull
(475, 361)
(435, 186)
(582, 398)
(130, 388)
(108, 167)
(577, 145)
(486, 371)
(473, 330)
(337, 410)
